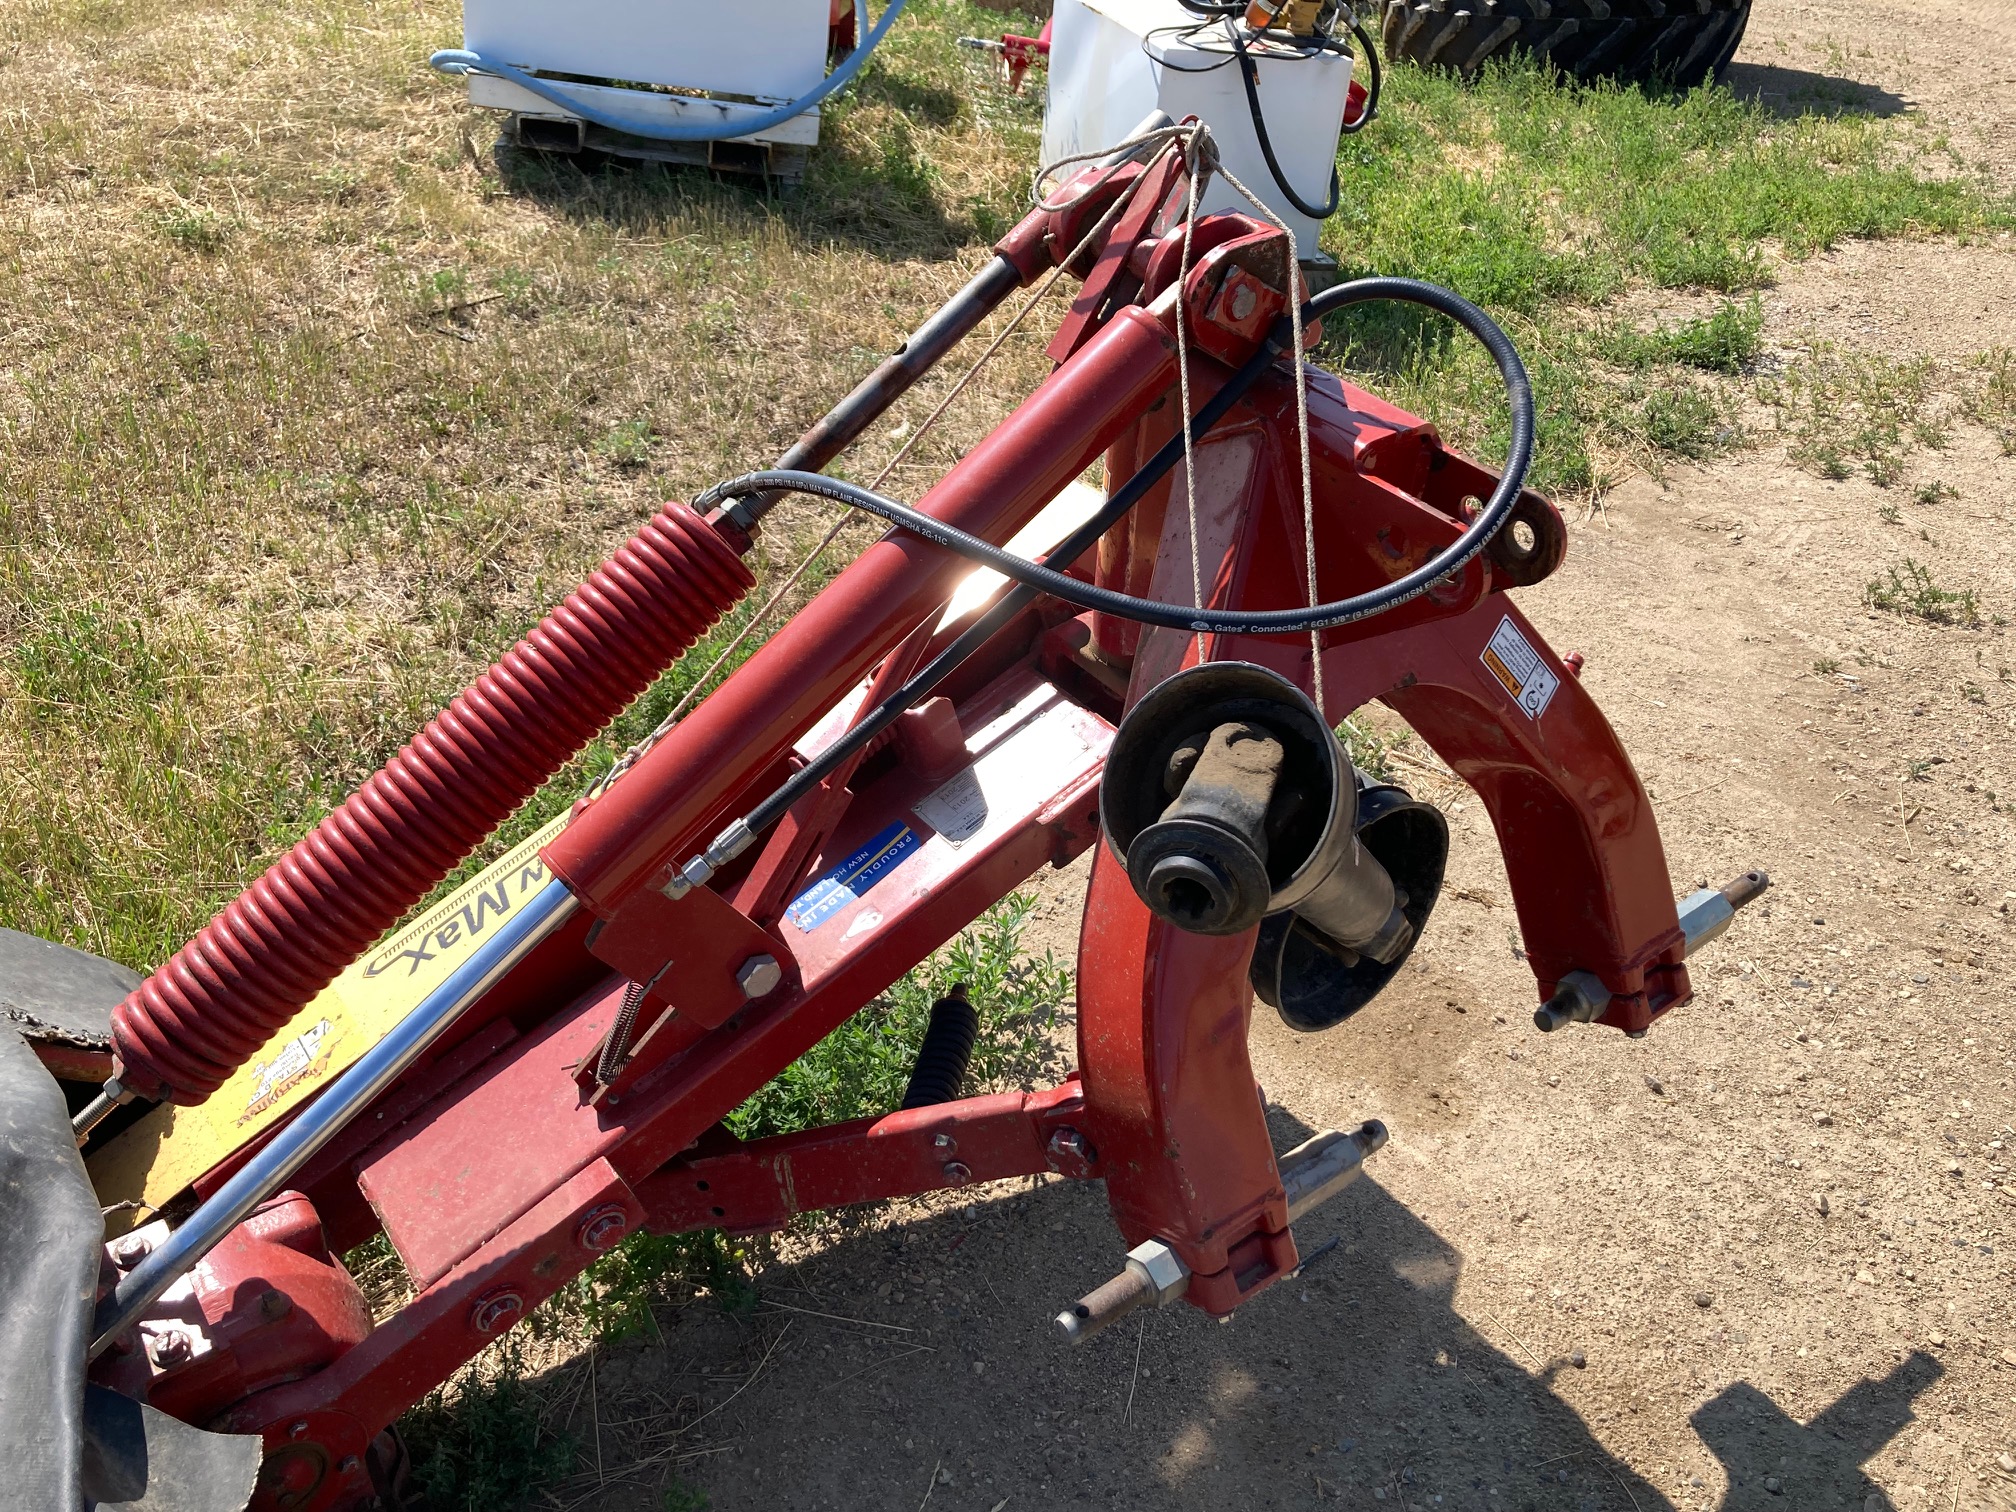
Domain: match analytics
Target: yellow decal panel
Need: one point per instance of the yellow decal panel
(161, 1154)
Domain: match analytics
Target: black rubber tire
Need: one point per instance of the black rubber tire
(1682, 43)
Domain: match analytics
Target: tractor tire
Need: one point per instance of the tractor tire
(1681, 44)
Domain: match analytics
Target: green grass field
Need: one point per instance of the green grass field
(313, 400)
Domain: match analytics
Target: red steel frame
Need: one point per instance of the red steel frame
(498, 1177)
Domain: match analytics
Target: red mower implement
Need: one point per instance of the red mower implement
(1159, 682)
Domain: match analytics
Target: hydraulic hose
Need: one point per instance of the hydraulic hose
(1475, 537)
(321, 906)
(1376, 83)
(1030, 578)
(1249, 75)
(456, 60)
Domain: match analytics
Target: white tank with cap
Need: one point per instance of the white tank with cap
(1113, 61)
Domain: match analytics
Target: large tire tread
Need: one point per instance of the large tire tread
(1680, 43)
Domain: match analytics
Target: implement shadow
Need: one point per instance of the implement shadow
(1789, 92)
(873, 189)
(895, 1356)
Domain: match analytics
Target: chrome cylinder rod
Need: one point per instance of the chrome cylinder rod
(320, 1121)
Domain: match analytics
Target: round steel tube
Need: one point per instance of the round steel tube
(319, 1122)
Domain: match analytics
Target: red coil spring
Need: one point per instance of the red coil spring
(320, 906)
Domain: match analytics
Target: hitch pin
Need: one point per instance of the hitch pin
(1580, 997)
(1311, 1174)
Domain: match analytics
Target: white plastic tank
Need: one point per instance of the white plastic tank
(763, 51)
(1114, 61)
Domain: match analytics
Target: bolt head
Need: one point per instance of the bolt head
(758, 976)
(130, 1251)
(170, 1348)
(944, 1144)
(957, 1173)
(603, 1228)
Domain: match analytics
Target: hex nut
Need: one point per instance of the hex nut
(1157, 1264)
(603, 1228)
(1071, 1150)
(758, 976)
(496, 1311)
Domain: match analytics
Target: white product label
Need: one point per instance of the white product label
(1511, 659)
(958, 809)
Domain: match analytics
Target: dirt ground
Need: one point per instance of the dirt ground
(1760, 1258)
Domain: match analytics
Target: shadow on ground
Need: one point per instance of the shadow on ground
(1796, 92)
(869, 189)
(895, 1354)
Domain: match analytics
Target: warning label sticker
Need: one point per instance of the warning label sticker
(1513, 661)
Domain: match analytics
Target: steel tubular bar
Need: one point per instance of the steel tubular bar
(623, 839)
(1012, 603)
(321, 1120)
(919, 353)
(764, 1183)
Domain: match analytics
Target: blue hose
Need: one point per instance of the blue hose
(459, 61)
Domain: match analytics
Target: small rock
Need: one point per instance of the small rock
(1656, 1086)
(1820, 1202)
(2007, 1462)
(1953, 1168)
(1936, 1340)
(979, 1367)
(944, 1476)
(2009, 1357)
(1702, 1299)
(1865, 1278)
(1773, 1484)
(1823, 1119)
(1579, 1360)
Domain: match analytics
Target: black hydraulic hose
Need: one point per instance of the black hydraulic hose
(1249, 74)
(1375, 81)
(1037, 578)
(1012, 603)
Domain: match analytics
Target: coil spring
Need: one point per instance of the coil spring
(320, 906)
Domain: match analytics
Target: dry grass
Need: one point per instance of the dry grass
(311, 400)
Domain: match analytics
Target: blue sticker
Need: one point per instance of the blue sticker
(852, 877)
